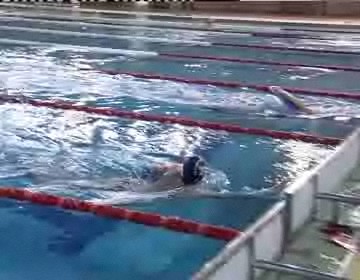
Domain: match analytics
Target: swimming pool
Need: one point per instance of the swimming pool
(68, 153)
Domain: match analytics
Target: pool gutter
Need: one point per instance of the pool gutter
(212, 12)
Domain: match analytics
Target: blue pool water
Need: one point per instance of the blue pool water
(77, 154)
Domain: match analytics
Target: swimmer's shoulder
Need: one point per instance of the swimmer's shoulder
(167, 167)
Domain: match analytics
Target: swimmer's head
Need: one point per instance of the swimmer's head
(192, 170)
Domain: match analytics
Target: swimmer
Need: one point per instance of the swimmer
(293, 104)
(184, 174)
(280, 101)
(170, 176)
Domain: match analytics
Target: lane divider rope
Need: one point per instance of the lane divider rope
(261, 62)
(345, 31)
(139, 217)
(281, 48)
(113, 112)
(264, 88)
(290, 35)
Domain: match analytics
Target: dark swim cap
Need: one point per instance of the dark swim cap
(192, 170)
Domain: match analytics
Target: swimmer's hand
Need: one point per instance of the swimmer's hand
(283, 94)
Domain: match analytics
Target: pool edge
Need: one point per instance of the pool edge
(229, 263)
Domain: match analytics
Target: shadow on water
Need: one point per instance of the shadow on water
(77, 230)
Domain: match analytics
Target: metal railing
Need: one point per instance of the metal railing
(295, 270)
(337, 200)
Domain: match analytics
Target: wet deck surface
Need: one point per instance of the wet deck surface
(311, 250)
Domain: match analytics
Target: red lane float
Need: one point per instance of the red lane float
(262, 62)
(112, 112)
(289, 35)
(265, 88)
(149, 219)
(321, 30)
(278, 48)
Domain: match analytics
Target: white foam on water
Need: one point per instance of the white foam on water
(146, 23)
(118, 21)
(77, 48)
(99, 35)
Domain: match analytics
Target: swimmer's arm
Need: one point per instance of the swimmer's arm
(291, 98)
(299, 104)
